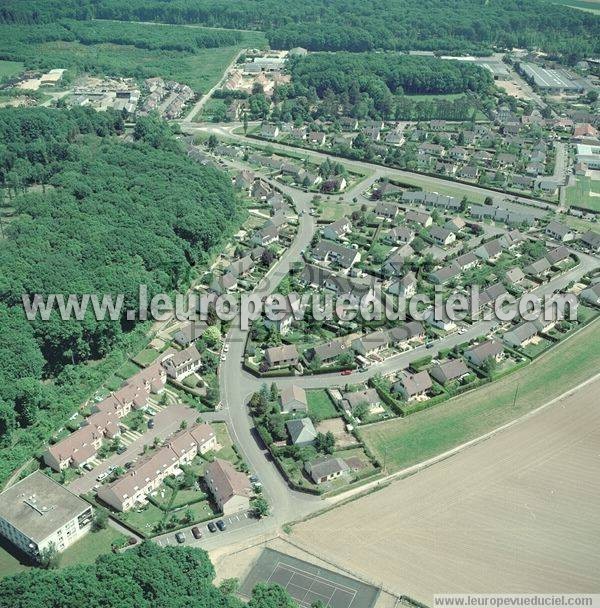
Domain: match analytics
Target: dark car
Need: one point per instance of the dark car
(212, 527)
(151, 423)
(180, 537)
(128, 465)
(121, 449)
(429, 345)
(221, 525)
(196, 532)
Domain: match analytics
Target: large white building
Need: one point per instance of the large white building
(590, 155)
(37, 513)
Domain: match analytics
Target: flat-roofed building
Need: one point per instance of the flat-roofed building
(37, 513)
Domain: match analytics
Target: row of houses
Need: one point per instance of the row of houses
(81, 446)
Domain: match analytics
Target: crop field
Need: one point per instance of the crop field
(518, 511)
(10, 68)
(405, 441)
(585, 193)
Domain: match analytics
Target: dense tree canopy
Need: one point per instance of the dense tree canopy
(147, 576)
(353, 25)
(93, 215)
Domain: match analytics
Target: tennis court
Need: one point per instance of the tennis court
(307, 583)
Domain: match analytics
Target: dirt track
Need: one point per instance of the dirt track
(517, 513)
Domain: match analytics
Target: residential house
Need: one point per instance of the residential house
(449, 371)
(490, 251)
(591, 295)
(181, 364)
(386, 211)
(189, 332)
(293, 399)
(400, 235)
(329, 251)
(522, 335)
(334, 184)
(406, 287)
(327, 352)
(337, 230)
(223, 283)
(260, 190)
(557, 255)
(421, 218)
(515, 276)
(270, 131)
(230, 488)
(394, 265)
(301, 431)
(265, 236)
(325, 469)
(369, 397)
(371, 343)
(442, 236)
(413, 386)
(538, 269)
(439, 318)
(445, 274)
(241, 267)
(479, 354)
(558, 231)
(316, 137)
(590, 240)
(281, 356)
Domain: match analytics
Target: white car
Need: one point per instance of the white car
(223, 357)
(226, 348)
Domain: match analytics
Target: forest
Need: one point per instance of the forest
(195, 56)
(378, 85)
(353, 25)
(91, 215)
(147, 576)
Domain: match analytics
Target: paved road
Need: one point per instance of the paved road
(534, 206)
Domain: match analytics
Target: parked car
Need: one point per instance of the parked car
(128, 465)
(151, 423)
(88, 466)
(429, 345)
(223, 357)
(196, 532)
(102, 476)
(121, 449)
(212, 527)
(254, 478)
(180, 537)
(346, 372)
(221, 525)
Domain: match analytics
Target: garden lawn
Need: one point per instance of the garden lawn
(403, 442)
(320, 404)
(88, 548)
(226, 452)
(146, 357)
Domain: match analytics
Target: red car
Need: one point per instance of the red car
(346, 372)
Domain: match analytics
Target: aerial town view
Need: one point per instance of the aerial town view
(299, 303)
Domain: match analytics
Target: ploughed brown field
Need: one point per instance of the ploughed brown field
(516, 513)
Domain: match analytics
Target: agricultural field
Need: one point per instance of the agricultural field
(402, 442)
(532, 489)
(585, 193)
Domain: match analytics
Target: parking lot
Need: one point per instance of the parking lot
(166, 422)
(233, 523)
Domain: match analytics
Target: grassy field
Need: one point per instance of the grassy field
(581, 193)
(320, 404)
(403, 442)
(224, 439)
(10, 68)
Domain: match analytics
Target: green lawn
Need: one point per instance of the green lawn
(145, 519)
(146, 357)
(9, 563)
(127, 370)
(226, 452)
(87, 549)
(320, 404)
(10, 68)
(580, 194)
(402, 442)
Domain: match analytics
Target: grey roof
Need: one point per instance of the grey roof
(345, 256)
(537, 267)
(515, 275)
(323, 467)
(329, 350)
(449, 370)
(558, 228)
(369, 396)
(482, 351)
(301, 430)
(522, 332)
(38, 506)
(591, 239)
(414, 384)
(293, 393)
(557, 255)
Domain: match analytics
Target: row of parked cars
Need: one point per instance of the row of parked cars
(197, 533)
